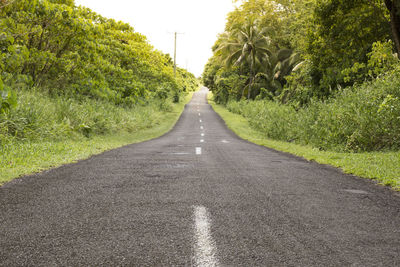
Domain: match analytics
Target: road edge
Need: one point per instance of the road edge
(311, 155)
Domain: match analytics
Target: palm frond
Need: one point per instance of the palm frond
(298, 66)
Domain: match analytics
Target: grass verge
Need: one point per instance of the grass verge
(23, 158)
(384, 167)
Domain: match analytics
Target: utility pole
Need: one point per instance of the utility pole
(175, 35)
(175, 55)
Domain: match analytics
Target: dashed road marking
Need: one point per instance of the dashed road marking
(198, 150)
(202, 141)
(201, 127)
(201, 121)
(224, 141)
(205, 251)
(356, 191)
(202, 134)
(199, 114)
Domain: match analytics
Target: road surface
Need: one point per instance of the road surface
(198, 196)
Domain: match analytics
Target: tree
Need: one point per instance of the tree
(68, 50)
(394, 9)
(328, 36)
(343, 33)
(280, 64)
(245, 45)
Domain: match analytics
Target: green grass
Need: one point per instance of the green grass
(26, 157)
(384, 167)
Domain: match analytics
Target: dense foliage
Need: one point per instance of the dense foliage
(55, 50)
(364, 118)
(309, 48)
(305, 53)
(40, 117)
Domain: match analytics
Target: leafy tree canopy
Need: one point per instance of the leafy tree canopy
(61, 48)
(313, 46)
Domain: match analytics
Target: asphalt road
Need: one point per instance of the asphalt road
(197, 196)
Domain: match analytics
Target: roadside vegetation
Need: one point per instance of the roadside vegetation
(319, 74)
(381, 166)
(114, 128)
(73, 83)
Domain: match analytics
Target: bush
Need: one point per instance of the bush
(8, 99)
(360, 118)
(39, 116)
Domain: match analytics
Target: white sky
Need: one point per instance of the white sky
(200, 21)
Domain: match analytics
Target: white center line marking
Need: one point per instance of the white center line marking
(202, 141)
(205, 252)
(198, 150)
(201, 121)
(199, 114)
(201, 127)
(202, 134)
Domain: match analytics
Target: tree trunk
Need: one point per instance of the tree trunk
(394, 8)
(252, 75)
(249, 90)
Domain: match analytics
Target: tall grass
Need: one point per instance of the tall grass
(56, 131)
(361, 118)
(41, 117)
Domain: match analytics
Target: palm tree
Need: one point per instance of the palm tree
(280, 64)
(246, 45)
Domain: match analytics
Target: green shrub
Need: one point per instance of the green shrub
(360, 118)
(39, 116)
(8, 99)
